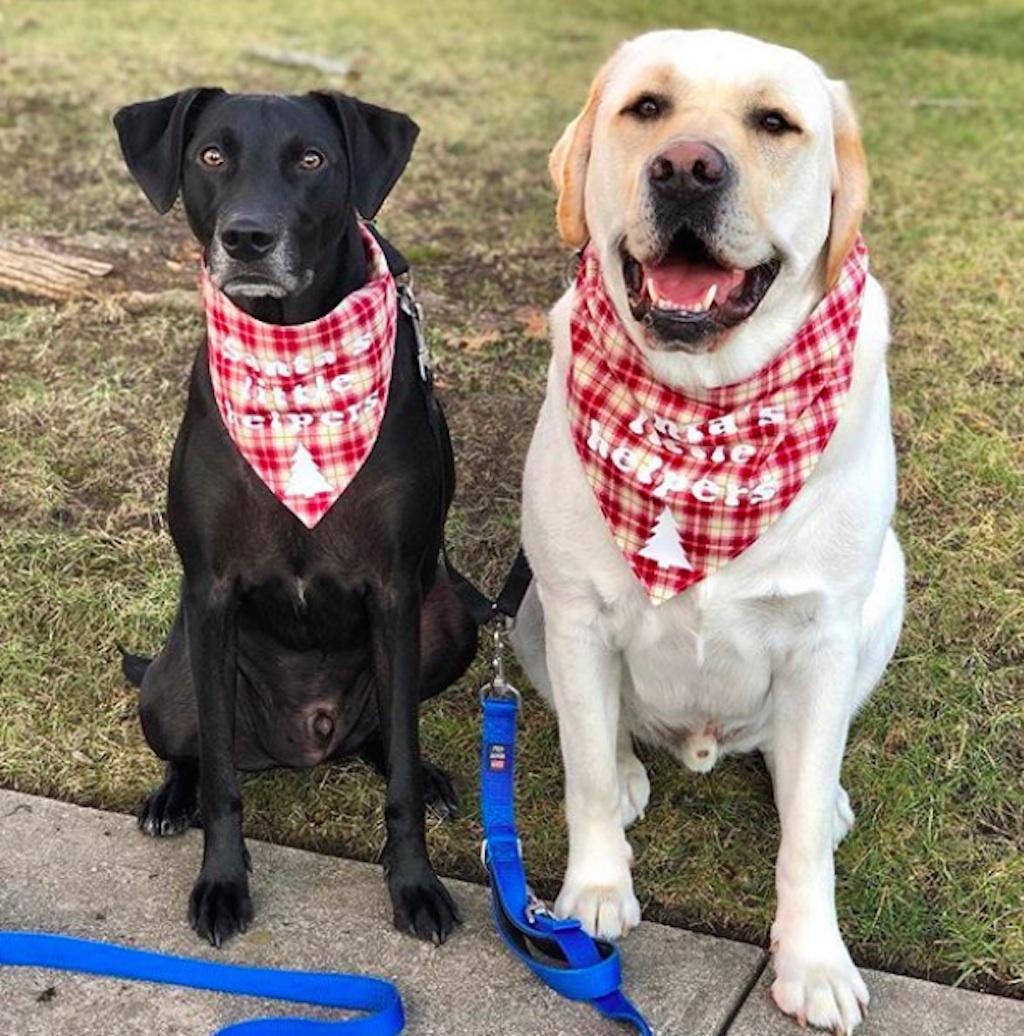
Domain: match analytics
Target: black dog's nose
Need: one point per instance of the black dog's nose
(243, 239)
(691, 166)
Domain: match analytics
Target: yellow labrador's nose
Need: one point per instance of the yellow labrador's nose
(690, 166)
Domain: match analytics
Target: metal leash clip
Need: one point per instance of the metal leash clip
(499, 687)
(535, 906)
(414, 311)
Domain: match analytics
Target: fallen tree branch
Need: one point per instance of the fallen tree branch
(27, 267)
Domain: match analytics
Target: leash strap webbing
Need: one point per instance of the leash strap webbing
(559, 952)
(323, 989)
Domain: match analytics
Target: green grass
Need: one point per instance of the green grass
(932, 880)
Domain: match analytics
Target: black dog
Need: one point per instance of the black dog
(291, 645)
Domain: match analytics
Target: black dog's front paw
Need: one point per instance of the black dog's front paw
(220, 907)
(439, 792)
(422, 904)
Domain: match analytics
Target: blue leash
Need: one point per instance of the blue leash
(326, 989)
(560, 953)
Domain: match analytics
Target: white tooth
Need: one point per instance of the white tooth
(679, 307)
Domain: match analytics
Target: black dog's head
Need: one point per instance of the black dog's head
(271, 185)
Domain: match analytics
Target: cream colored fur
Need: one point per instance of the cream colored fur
(776, 651)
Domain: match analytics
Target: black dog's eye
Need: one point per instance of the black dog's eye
(311, 159)
(774, 123)
(212, 157)
(648, 107)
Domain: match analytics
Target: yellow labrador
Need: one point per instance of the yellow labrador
(720, 182)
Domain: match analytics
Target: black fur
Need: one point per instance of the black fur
(294, 646)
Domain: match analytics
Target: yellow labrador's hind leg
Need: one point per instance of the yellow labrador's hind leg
(634, 784)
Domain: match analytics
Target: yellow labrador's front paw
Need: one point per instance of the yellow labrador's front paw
(816, 981)
(607, 910)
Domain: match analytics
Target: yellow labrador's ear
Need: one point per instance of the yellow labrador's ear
(849, 182)
(568, 167)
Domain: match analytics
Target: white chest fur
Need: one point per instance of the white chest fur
(698, 669)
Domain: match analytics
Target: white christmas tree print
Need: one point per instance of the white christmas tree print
(305, 478)
(663, 544)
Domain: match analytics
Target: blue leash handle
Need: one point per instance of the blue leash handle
(560, 953)
(325, 989)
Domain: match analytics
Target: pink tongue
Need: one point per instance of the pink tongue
(686, 283)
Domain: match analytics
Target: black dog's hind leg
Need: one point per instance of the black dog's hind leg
(220, 904)
(438, 790)
(171, 808)
(422, 905)
(448, 643)
(168, 714)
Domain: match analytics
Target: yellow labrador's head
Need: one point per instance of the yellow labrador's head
(718, 177)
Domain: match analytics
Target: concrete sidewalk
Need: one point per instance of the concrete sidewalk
(91, 874)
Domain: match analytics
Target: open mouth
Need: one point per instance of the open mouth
(687, 297)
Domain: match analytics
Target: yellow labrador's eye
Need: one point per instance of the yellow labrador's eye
(212, 157)
(774, 123)
(311, 159)
(648, 107)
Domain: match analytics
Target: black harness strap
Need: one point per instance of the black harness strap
(510, 597)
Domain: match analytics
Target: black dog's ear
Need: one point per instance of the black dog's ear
(379, 143)
(152, 135)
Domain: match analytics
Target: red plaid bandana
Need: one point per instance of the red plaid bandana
(304, 403)
(686, 482)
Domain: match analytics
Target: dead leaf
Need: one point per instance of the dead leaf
(534, 322)
(475, 343)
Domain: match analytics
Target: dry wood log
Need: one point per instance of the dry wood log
(32, 269)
